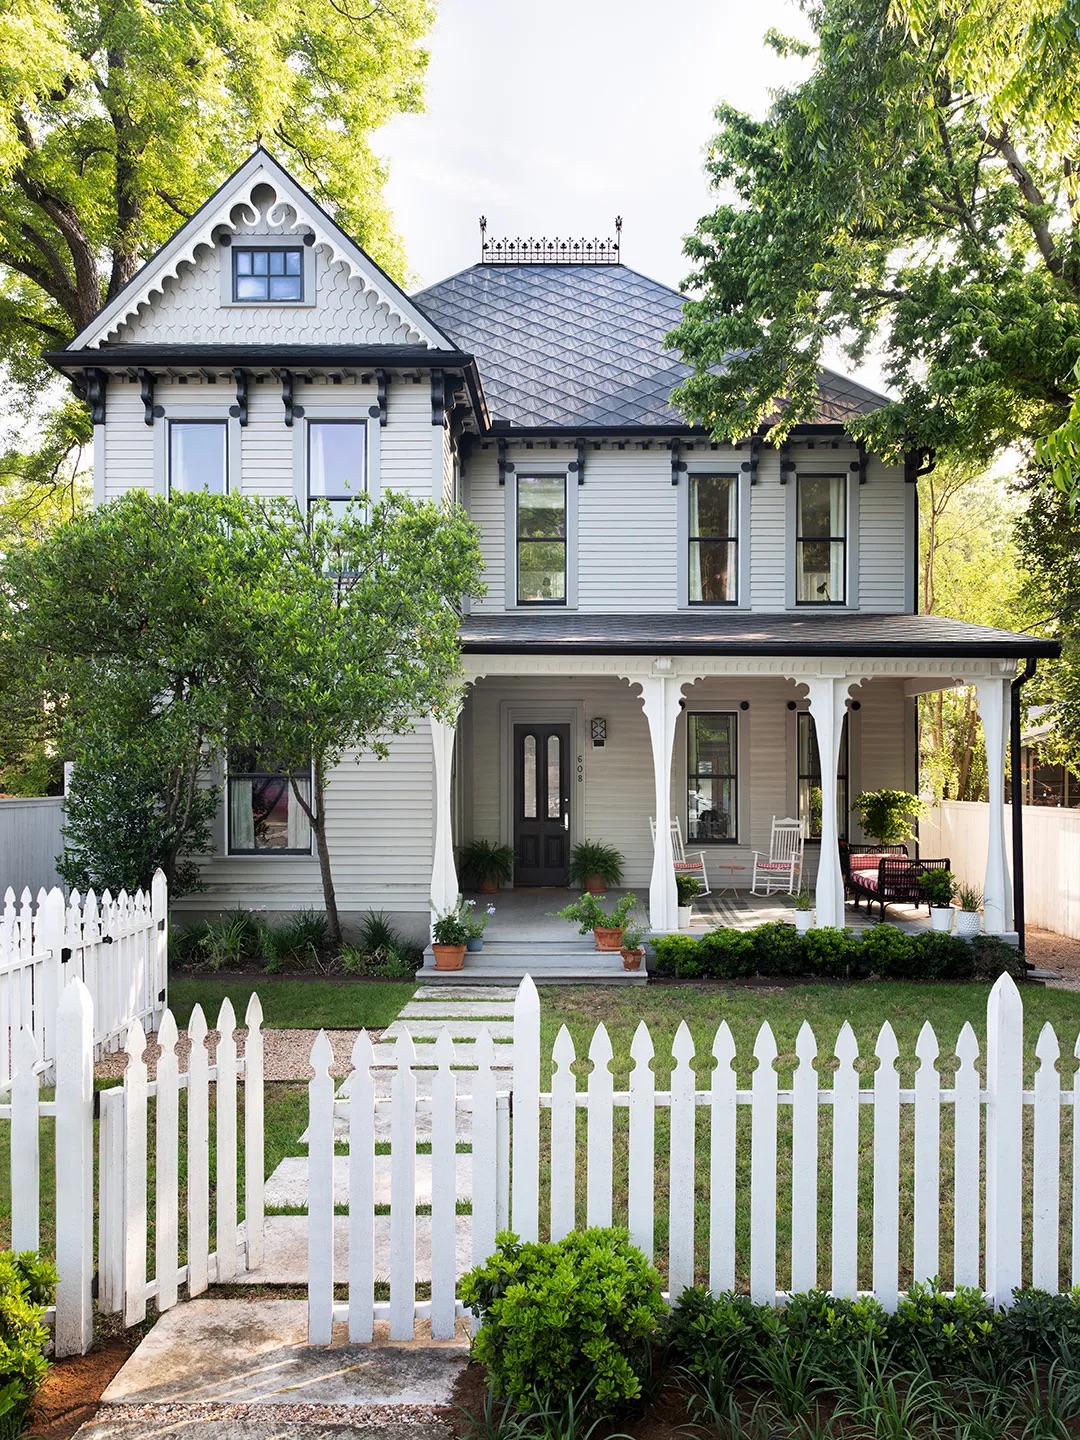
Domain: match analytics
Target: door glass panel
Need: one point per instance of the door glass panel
(528, 775)
(554, 779)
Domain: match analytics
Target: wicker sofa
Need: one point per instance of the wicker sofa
(884, 873)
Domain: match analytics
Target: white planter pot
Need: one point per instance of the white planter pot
(968, 922)
(941, 917)
(685, 911)
(804, 921)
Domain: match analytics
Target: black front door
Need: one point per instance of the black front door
(541, 804)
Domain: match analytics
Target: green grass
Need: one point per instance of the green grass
(301, 1004)
(866, 1006)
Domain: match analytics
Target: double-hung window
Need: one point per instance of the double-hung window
(268, 273)
(714, 539)
(809, 764)
(335, 462)
(198, 456)
(820, 539)
(541, 539)
(712, 777)
(264, 816)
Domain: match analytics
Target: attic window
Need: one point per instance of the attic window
(269, 274)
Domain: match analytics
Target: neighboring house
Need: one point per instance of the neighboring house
(1044, 782)
(673, 627)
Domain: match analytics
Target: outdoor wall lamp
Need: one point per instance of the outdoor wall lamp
(599, 731)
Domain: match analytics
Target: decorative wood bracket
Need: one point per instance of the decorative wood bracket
(577, 467)
(787, 464)
(146, 394)
(438, 397)
(677, 464)
(859, 466)
(752, 464)
(506, 467)
(94, 394)
(379, 408)
(239, 411)
(291, 407)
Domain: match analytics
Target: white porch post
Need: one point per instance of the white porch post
(828, 696)
(444, 880)
(661, 694)
(993, 708)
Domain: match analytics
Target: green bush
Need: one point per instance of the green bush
(727, 954)
(380, 952)
(570, 1320)
(230, 943)
(706, 1333)
(948, 1334)
(678, 955)
(778, 949)
(299, 943)
(27, 1286)
(1041, 1326)
(832, 952)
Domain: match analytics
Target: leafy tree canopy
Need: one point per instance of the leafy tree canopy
(912, 191)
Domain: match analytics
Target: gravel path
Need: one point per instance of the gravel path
(285, 1053)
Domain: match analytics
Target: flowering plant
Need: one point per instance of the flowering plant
(476, 920)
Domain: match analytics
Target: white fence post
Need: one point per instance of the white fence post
(443, 1190)
(641, 1200)
(1004, 1139)
(25, 1156)
(525, 1178)
(198, 1139)
(403, 1191)
(254, 1135)
(225, 1098)
(321, 1194)
(167, 1167)
(362, 1192)
(159, 946)
(763, 1117)
(111, 1201)
(135, 1117)
(681, 1167)
(74, 1170)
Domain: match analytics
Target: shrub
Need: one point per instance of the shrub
(232, 942)
(1043, 1326)
(888, 952)
(570, 1319)
(485, 862)
(937, 956)
(948, 1334)
(686, 887)
(832, 1332)
(300, 943)
(726, 954)
(778, 949)
(726, 1333)
(593, 857)
(27, 1286)
(993, 957)
(380, 952)
(832, 952)
(677, 955)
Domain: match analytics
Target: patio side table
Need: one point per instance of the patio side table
(731, 871)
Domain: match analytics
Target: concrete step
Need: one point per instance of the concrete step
(512, 972)
(285, 1250)
(452, 1007)
(458, 1030)
(287, 1187)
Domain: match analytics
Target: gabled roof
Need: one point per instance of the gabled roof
(217, 214)
(583, 345)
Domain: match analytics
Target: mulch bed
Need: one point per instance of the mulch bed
(73, 1387)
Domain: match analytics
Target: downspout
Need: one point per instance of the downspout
(1017, 794)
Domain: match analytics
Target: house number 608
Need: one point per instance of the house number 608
(580, 768)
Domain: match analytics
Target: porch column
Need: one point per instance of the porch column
(993, 695)
(660, 696)
(828, 697)
(444, 880)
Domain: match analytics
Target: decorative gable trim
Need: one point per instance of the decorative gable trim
(292, 204)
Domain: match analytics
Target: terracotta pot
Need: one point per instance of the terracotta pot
(449, 957)
(607, 939)
(631, 959)
(594, 885)
(488, 887)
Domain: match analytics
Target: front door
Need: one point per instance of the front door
(541, 804)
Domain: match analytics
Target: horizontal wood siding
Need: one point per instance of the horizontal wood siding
(885, 560)
(129, 442)
(406, 438)
(627, 532)
(768, 536)
(266, 446)
(487, 510)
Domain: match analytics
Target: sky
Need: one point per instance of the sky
(553, 119)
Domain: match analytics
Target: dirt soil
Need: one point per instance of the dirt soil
(72, 1389)
(1050, 951)
(666, 1418)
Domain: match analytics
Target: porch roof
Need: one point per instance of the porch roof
(711, 632)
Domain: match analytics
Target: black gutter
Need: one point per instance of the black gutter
(1017, 789)
(854, 650)
(506, 430)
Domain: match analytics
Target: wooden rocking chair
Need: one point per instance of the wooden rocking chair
(781, 869)
(692, 865)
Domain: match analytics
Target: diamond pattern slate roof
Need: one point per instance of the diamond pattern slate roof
(583, 345)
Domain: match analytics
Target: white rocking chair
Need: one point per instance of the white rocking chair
(692, 865)
(781, 869)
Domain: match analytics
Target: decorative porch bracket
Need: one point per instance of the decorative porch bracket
(828, 702)
(444, 879)
(994, 696)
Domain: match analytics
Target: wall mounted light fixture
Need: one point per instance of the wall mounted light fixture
(598, 726)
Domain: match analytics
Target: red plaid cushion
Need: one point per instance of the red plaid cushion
(868, 881)
(865, 862)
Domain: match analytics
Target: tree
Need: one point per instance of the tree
(893, 197)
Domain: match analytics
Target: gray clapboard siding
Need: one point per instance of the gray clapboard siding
(768, 535)
(884, 558)
(129, 443)
(266, 445)
(487, 510)
(406, 438)
(627, 532)
(30, 841)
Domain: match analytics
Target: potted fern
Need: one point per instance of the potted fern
(487, 865)
(968, 919)
(632, 951)
(686, 887)
(588, 913)
(939, 887)
(596, 867)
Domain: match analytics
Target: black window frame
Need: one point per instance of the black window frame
(520, 540)
(843, 775)
(313, 420)
(267, 299)
(695, 540)
(830, 540)
(264, 773)
(182, 420)
(692, 775)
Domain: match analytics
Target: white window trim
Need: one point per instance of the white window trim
(742, 549)
(851, 536)
(353, 415)
(511, 570)
(196, 410)
(267, 242)
(742, 774)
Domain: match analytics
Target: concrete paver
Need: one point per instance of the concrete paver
(285, 1250)
(287, 1187)
(235, 1422)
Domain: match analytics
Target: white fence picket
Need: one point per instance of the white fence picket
(321, 1194)
(722, 1164)
(845, 1166)
(1004, 1139)
(25, 1157)
(804, 1163)
(1076, 1169)
(198, 1139)
(525, 1200)
(763, 1126)
(362, 1191)
(563, 1136)
(73, 1330)
(681, 1164)
(254, 1136)
(485, 1217)
(135, 1217)
(599, 1130)
(403, 1192)
(443, 1190)
(886, 1169)
(967, 1125)
(927, 1157)
(167, 1166)
(641, 1179)
(225, 1109)
(1046, 1163)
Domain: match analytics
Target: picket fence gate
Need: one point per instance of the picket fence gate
(117, 946)
(986, 1213)
(130, 1195)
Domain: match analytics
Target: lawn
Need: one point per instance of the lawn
(302, 1004)
(866, 1006)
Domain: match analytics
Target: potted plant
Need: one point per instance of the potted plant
(607, 926)
(487, 865)
(476, 923)
(596, 867)
(449, 935)
(886, 815)
(968, 919)
(939, 887)
(632, 951)
(686, 887)
(804, 911)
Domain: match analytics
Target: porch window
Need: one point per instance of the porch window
(712, 777)
(198, 456)
(541, 540)
(820, 539)
(336, 462)
(809, 762)
(264, 273)
(714, 511)
(264, 817)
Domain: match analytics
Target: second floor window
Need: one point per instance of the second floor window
(198, 456)
(714, 520)
(820, 539)
(541, 540)
(268, 274)
(712, 777)
(810, 778)
(336, 462)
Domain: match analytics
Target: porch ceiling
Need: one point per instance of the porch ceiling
(700, 632)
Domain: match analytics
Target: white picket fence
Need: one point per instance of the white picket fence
(130, 1194)
(117, 946)
(1007, 1143)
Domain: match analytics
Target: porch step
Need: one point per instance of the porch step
(511, 969)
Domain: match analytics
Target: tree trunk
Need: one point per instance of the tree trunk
(316, 815)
